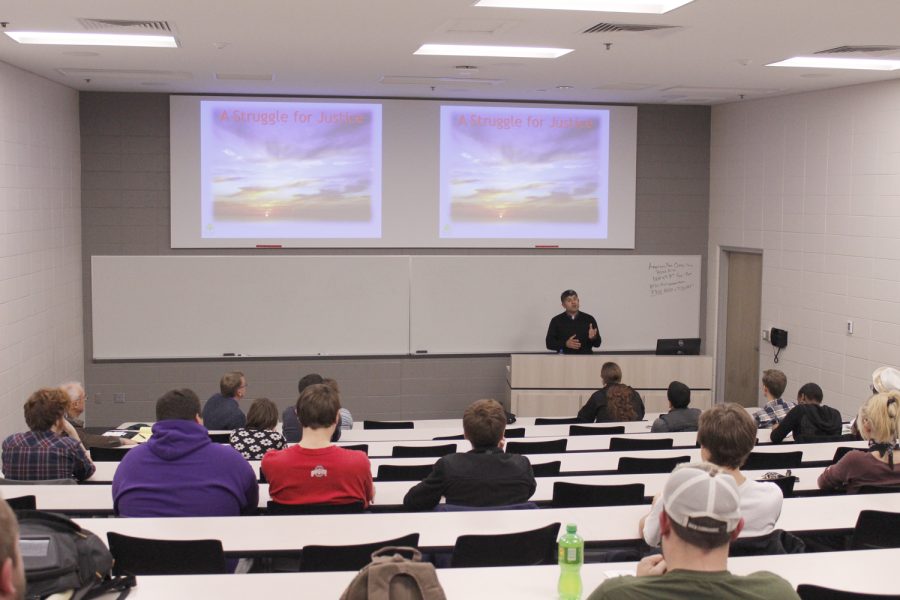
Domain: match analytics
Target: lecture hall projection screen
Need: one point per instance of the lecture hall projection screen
(351, 173)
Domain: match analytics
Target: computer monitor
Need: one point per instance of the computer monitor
(678, 346)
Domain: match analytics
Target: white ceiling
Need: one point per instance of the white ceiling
(346, 47)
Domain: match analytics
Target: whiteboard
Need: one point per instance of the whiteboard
(207, 306)
(503, 304)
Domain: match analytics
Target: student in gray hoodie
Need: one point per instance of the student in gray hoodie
(679, 417)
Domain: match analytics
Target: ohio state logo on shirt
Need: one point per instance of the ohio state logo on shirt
(319, 471)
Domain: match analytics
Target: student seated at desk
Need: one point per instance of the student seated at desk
(179, 472)
(315, 471)
(484, 476)
(259, 436)
(679, 417)
(597, 409)
(51, 449)
(810, 420)
(700, 516)
(291, 424)
(879, 423)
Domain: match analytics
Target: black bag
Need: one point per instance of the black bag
(59, 555)
(391, 576)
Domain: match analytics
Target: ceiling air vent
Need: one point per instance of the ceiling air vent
(625, 27)
(860, 50)
(126, 26)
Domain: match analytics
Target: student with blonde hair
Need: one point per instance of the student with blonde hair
(879, 423)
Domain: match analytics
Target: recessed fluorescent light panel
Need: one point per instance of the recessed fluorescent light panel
(496, 51)
(92, 39)
(625, 6)
(824, 62)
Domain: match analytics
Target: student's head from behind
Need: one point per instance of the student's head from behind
(810, 393)
(774, 382)
(679, 395)
(77, 396)
(45, 408)
(318, 406)
(263, 414)
(178, 405)
(701, 506)
(308, 380)
(484, 423)
(726, 434)
(569, 299)
(879, 418)
(233, 385)
(610, 372)
(12, 570)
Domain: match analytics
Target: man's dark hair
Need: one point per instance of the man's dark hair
(484, 423)
(44, 408)
(728, 433)
(811, 391)
(178, 405)
(308, 380)
(318, 406)
(679, 395)
(775, 381)
(567, 294)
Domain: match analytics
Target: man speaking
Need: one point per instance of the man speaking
(573, 331)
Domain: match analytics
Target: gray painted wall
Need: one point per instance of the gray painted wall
(125, 211)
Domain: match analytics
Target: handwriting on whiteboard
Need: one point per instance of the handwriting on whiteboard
(670, 277)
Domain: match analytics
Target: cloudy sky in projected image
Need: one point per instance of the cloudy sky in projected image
(524, 174)
(291, 171)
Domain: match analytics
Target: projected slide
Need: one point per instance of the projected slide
(290, 170)
(515, 172)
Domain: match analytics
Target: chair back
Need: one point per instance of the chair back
(22, 503)
(566, 495)
(361, 447)
(548, 447)
(348, 558)
(547, 469)
(758, 461)
(369, 424)
(555, 420)
(142, 556)
(403, 472)
(515, 432)
(632, 465)
(775, 542)
(420, 451)
(617, 444)
(535, 547)
(461, 508)
(589, 430)
(808, 591)
(107, 454)
(876, 529)
(220, 438)
(840, 451)
(786, 484)
(276, 508)
(879, 489)
(458, 436)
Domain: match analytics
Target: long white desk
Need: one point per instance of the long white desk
(440, 529)
(867, 571)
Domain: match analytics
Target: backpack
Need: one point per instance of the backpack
(58, 555)
(391, 576)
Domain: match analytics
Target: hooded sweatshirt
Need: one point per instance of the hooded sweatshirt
(179, 472)
(808, 422)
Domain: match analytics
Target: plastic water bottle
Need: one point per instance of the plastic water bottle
(571, 557)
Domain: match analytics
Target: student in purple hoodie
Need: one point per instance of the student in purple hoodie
(179, 472)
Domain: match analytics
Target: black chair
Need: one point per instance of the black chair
(360, 447)
(403, 472)
(107, 454)
(566, 495)
(618, 444)
(840, 451)
(22, 503)
(555, 421)
(548, 447)
(876, 529)
(348, 558)
(276, 508)
(220, 438)
(548, 469)
(632, 465)
(778, 541)
(515, 432)
(460, 508)
(458, 436)
(814, 592)
(420, 451)
(536, 547)
(586, 430)
(879, 489)
(785, 483)
(141, 556)
(758, 461)
(367, 424)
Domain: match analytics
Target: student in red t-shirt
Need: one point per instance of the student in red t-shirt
(315, 471)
